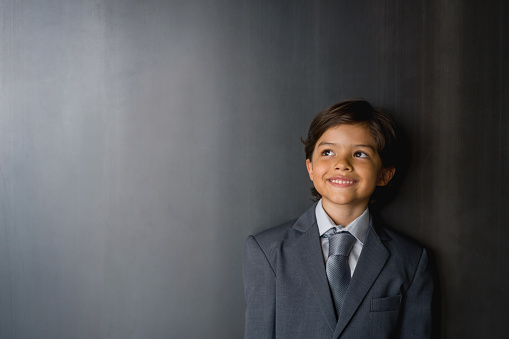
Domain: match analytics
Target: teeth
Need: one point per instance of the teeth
(342, 182)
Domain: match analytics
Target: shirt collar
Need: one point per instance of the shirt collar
(358, 228)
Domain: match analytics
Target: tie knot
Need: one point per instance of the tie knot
(341, 243)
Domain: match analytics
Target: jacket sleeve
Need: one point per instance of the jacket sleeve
(259, 291)
(416, 313)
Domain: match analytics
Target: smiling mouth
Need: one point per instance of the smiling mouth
(338, 182)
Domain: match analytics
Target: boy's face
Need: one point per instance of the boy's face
(345, 168)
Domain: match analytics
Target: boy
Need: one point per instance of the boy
(334, 272)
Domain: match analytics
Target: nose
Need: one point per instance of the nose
(343, 164)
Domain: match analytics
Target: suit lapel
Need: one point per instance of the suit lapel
(373, 257)
(308, 249)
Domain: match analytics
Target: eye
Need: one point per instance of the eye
(327, 152)
(360, 154)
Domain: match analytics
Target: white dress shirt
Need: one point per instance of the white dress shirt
(358, 228)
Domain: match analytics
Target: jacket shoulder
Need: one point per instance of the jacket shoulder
(271, 237)
(405, 252)
(275, 237)
(402, 241)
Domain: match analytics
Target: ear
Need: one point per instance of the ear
(386, 175)
(309, 166)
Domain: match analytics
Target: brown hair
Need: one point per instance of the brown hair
(355, 112)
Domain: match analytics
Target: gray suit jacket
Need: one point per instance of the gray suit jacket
(287, 292)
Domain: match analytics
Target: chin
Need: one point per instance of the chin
(340, 201)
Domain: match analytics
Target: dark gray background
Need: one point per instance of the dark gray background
(142, 141)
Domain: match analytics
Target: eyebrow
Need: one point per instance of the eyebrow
(366, 146)
(325, 143)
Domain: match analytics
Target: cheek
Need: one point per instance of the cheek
(372, 173)
(320, 168)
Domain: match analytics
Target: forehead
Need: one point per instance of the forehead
(346, 135)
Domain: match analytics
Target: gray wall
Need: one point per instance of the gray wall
(142, 141)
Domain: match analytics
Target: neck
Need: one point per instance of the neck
(343, 215)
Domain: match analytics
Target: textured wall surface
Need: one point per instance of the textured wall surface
(142, 141)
